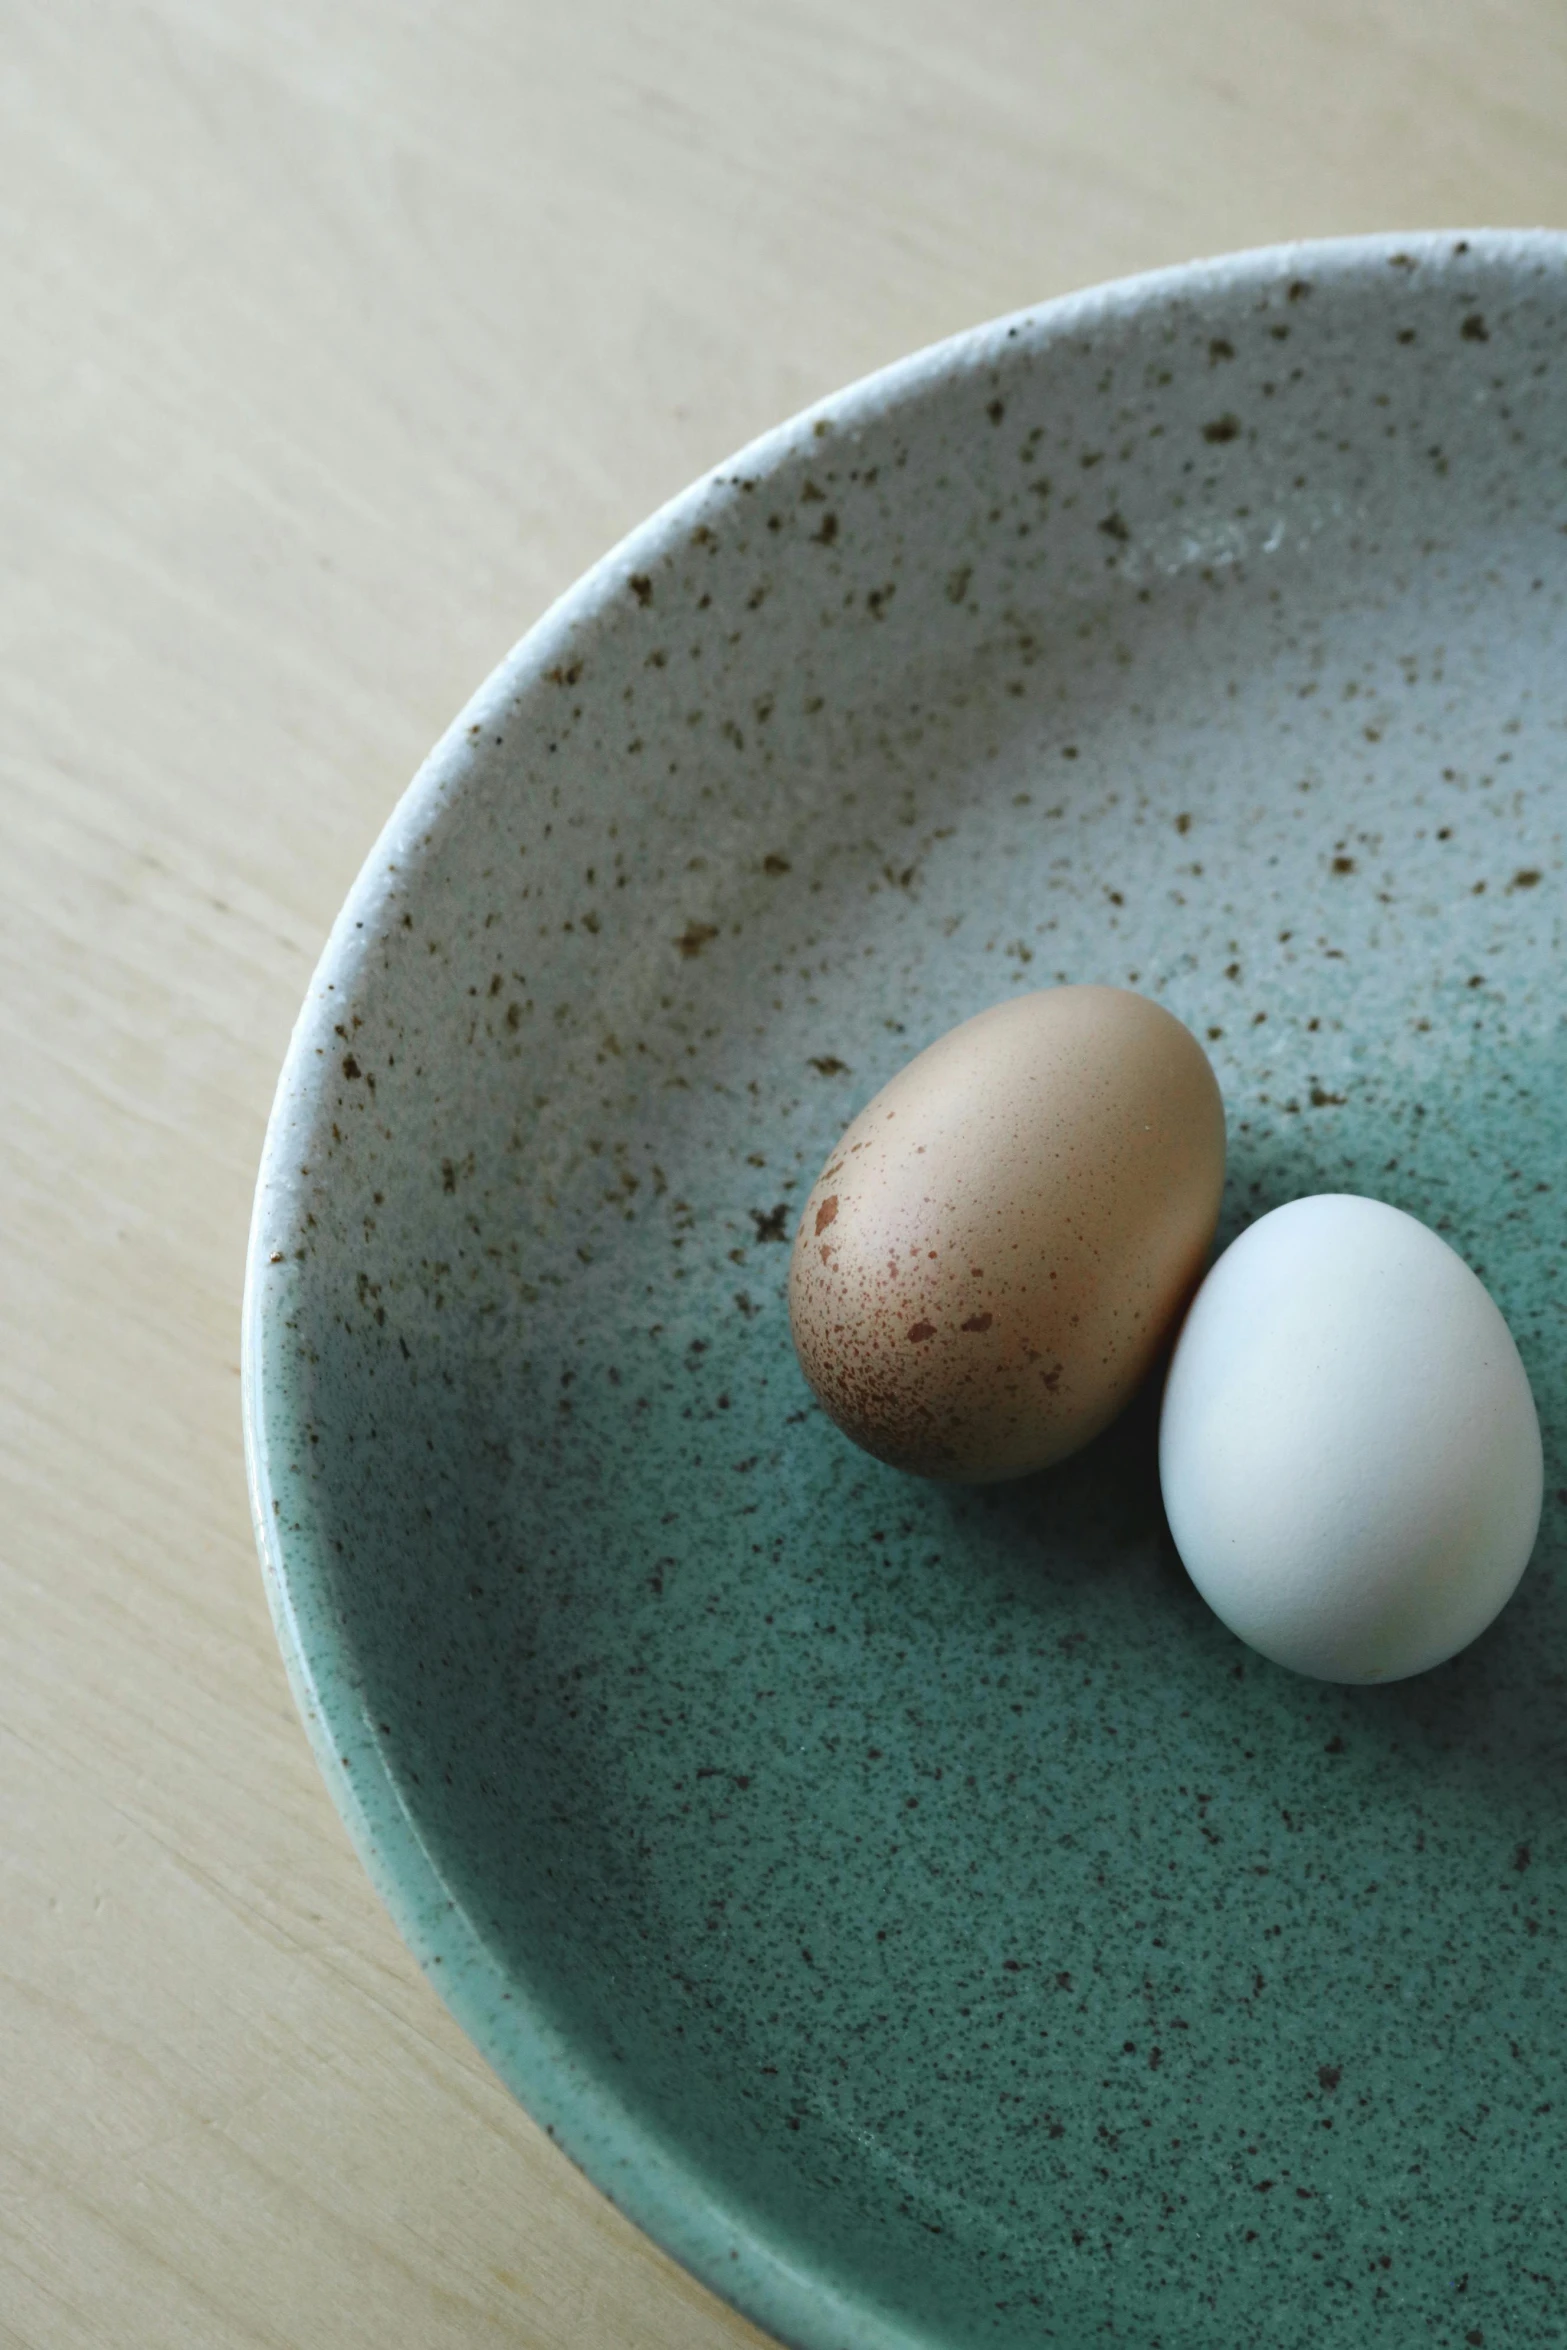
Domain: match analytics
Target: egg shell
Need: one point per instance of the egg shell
(988, 1264)
(1348, 1446)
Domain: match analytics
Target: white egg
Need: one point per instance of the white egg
(1348, 1447)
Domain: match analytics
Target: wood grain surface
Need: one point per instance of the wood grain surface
(336, 337)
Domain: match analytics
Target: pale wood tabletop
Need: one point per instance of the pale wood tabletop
(338, 337)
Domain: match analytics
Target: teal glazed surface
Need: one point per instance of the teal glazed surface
(906, 1901)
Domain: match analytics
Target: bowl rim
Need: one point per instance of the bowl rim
(690, 2212)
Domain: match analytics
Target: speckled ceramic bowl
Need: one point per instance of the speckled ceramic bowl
(908, 1902)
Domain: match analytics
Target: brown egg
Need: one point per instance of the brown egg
(992, 1257)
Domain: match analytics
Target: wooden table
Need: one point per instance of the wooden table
(338, 336)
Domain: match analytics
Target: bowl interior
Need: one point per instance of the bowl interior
(909, 1901)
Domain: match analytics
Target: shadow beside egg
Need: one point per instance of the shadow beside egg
(1500, 1700)
(1094, 1514)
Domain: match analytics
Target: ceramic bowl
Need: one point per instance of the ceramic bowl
(907, 1901)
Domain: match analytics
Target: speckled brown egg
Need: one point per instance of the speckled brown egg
(992, 1257)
